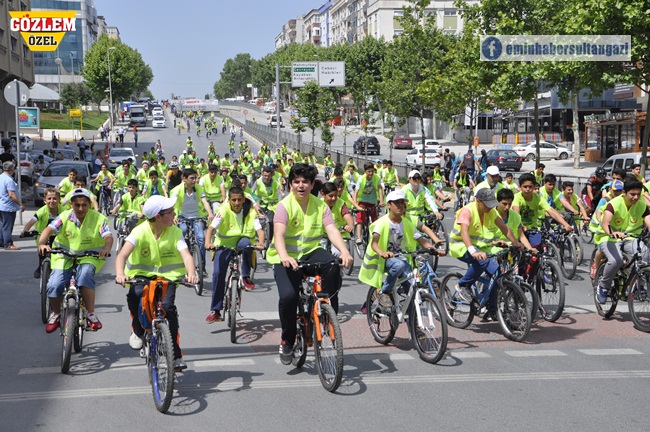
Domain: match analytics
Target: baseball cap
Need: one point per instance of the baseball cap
(492, 170)
(173, 165)
(617, 185)
(80, 192)
(155, 204)
(413, 173)
(395, 195)
(486, 196)
(377, 160)
(146, 162)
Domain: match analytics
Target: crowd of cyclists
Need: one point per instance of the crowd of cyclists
(227, 199)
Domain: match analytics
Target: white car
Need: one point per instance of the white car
(273, 122)
(157, 111)
(26, 143)
(547, 150)
(158, 121)
(27, 168)
(429, 144)
(118, 154)
(414, 157)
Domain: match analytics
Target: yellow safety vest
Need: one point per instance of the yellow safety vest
(230, 231)
(481, 234)
(77, 240)
(339, 220)
(267, 198)
(629, 221)
(179, 192)
(211, 188)
(156, 257)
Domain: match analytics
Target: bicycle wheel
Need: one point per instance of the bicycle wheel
(120, 242)
(79, 334)
(580, 249)
(69, 324)
(100, 203)
(382, 326)
(550, 289)
(586, 235)
(441, 232)
(361, 246)
(531, 298)
(45, 301)
(553, 252)
(638, 301)
(513, 312)
(459, 307)
(267, 238)
(198, 268)
(328, 348)
(232, 312)
(430, 338)
(606, 310)
(348, 270)
(568, 257)
(161, 366)
(299, 353)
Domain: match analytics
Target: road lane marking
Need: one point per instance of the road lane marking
(222, 362)
(468, 354)
(383, 356)
(614, 351)
(535, 353)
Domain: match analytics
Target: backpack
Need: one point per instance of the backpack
(148, 306)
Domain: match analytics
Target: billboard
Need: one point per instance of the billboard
(29, 118)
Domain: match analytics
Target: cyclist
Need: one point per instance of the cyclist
(417, 198)
(104, 181)
(154, 186)
(591, 192)
(130, 203)
(192, 203)
(79, 182)
(636, 170)
(463, 182)
(538, 173)
(594, 223)
(552, 195)
(174, 175)
(391, 234)
(234, 225)
(624, 215)
(266, 191)
(492, 180)
(505, 197)
(214, 187)
(78, 230)
(143, 174)
(301, 219)
(155, 249)
(368, 193)
(390, 178)
(510, 184)
(329, 166)
(122, 176)
(572, 203)
(67, 184)
(43, 217)
(340, 212)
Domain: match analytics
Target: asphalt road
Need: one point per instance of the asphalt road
(580, 373)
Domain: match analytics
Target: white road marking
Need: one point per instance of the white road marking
(614, 351)
(468, 354)
(383, 356)
(222, 362)
(535, 353)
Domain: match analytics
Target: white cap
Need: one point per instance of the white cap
(492, 170)
(155, 204)
(413, 173)
(395, 196)
(80, 192)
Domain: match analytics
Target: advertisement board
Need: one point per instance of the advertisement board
(29, 118)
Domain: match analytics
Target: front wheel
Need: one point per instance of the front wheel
(198, 268)
(328, 348)
(564, 155)
(568, 257)
(607, 309)
(69, 323)
(638, 301)
(441, 232)
(232, 312)
(348, 270)
(532, 299)
(45, 301)
(299, 353)
(550, 289)
(428, 327)
(161, 366)
(382, 326)
(79, 334)
(513, 312)
(530, 157)
(457, 301)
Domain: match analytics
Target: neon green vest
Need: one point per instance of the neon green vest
(514, 222)
(268, 198)
(481, 234)
(230, 231)
(629, 221)
(149, 186)
(153, 257)
(79, 239)
(372, 269)
(179, 192)
(414, 203)
(211, 188)
(390, 176)
(364, 192)
(304, 230)
(338, 217)
(132, 205)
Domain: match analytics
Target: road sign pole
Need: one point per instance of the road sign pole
(277, 103)
(20, 181)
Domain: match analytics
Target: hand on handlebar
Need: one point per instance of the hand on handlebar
(387, 255)
(287, 262)
(192, 278)
(478, 255)
(346, 258)
(618, 235)
(43, 249)
(121, 279)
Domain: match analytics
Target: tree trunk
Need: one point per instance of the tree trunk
(576, 129)
(313, 133)
(424, 155)
(646, 137)
(434, 127)
(536, 130)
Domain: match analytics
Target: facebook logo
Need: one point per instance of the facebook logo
(491, 48)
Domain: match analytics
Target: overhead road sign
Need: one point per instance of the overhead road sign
(301, 72)
(331, 74)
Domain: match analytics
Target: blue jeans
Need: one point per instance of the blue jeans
(221, 261)
(199, 234)
(59, 279)
(7, 220)
(396, 268)
(476, 269)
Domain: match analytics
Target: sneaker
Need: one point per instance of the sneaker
(135, 341)
(53, 322)
(285, 353)
(93, 321)
(385, 301)
(358, 241)
(205, 273)
(364, 308)
(592, 271)
(179, 365)
(215, 316)
(601, 295)
(248, 283)
(463, 293)
(37, 273)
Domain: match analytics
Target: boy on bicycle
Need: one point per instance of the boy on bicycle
(391, 234)
(131, 205)
(462, 182)
(368, 194)
(150, 247)
(43, 217)
(78, 230)
(235, 225)
(300, 222)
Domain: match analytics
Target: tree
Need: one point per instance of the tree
(74, 95)
(326, 135)
(316, 104)
(236, 73)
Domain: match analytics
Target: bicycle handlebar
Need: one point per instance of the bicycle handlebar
(61, 251)
(304, 264)
(149, 279)
(237, 250)
(427, 251)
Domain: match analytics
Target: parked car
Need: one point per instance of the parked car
(414, 157)
(27, 168)
(273, 121)
(117, 155)
(402, 141)
(505, 159)
(54, 173)
(158, 121)
(625, 161)
(359, 146)
(26, 143)
(547, 150)
(429, 144)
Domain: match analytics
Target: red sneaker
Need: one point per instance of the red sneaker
(248, 284)
(93, 321)
(53, 322)
(215, 316)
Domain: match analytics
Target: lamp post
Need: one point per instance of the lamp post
(110, 87)
(58, 62)
(72, 65)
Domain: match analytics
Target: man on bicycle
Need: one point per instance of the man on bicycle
(624, 215)
(391, 234)
(214, 187)
(389, 177)
(155, 249)
(462, 182)
(235, 225)
(368, 193)
(300, 222)
(266, 191)
(78, 230)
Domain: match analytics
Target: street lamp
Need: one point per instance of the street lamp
(110, 87)
(72, 65)
(58, 62)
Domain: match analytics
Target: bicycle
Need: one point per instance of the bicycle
(194, 247)
(327, 245)
(630, 283)
(512, 309)
(463, 198)
(567, 253)
(427, 326)
(439, 229)
(122, 231)
(318, 326)
(360, 247)
(158, 348)
(46, 269)
(105, 200)
(73, 311)
(266, 226)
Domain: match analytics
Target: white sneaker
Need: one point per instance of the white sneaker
(135, 341)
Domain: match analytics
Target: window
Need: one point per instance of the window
(2, 36)
(14, 44)
(317, 31)
(450, 12)
(25, 51)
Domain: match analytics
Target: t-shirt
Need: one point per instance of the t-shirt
(530, 211)
(396, 240)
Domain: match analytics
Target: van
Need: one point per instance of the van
(138, 115)
(623, 160)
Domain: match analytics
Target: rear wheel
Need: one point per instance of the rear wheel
(382, 326)
(568, 257)
(530, 157)
(580, 249)
(458, 304)
(431, 336)
(45, 301)
(350, 244)
(564, 155)
(198, 268)
(328, 348)
(513, 312)
(638, 301)
(79, 334)
(441, 232)
(299, 353)
(531, 299)
(607, 309)
(232, 312)
(267, 238)
(161, 368)
(586, 235)
(69, 325)
(550, 289)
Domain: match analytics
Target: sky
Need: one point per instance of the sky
(187, 42)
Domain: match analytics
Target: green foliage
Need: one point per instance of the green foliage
(315, 103)
(326, 134)
(235, 75)
(74, 95)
